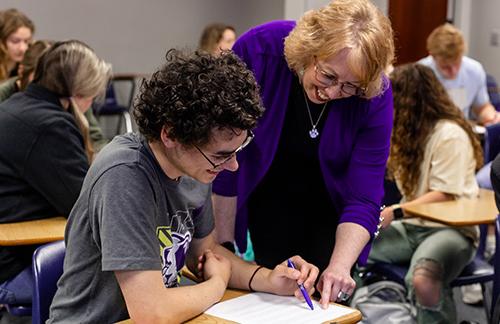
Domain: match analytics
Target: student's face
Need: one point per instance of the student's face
(17, 43)
(220, 151)
(329, 79)
(448, 68)
(227, 41)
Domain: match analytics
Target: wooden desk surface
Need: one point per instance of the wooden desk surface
(32, 232)
(354, 317)
(459, 212)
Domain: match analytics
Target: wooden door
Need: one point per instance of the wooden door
(413, 21)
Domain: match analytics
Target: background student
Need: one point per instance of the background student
(45, 152)
(311, 182)
(434, 156)
(465, 80)
(26, 72)
(145, 208)
(463, 77)
(216, 38)
(16, 31)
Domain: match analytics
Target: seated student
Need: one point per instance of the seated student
(434, 155)
(44, 153)
(217, 38)
(463, 77)
(145, 209)
(26, 71)
(16, 32)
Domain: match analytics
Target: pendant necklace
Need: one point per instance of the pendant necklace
(313, 133)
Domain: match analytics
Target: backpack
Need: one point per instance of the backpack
(384, 302)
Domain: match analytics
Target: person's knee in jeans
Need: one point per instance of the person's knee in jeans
(428, 283)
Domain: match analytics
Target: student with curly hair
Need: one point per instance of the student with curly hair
(16, 32)
(434, 156)
(145, 208)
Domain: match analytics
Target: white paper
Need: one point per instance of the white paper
(263, 308)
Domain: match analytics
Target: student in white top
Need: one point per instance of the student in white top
(463, 77)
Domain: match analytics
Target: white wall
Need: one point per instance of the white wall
(134, 35)
(484, 20)
(295, 8)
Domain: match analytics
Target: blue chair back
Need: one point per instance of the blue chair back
(493, 91)
(48, 262)
(491, 142)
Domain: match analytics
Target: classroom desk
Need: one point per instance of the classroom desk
(354, 317)
(32, 232)
(460, 212)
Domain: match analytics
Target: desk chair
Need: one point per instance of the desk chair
(111, 107)
(477, 271)
(48, 262)
(491, 142)
(493, 91)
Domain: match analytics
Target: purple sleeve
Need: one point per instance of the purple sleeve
(365, 174)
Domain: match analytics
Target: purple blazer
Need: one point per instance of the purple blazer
(354, 142)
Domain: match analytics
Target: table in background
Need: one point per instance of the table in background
(32, 232)
(460, 212)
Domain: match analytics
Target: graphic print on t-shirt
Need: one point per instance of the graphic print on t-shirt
(174, 242)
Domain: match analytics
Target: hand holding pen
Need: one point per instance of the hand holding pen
(301, 287)
(283, 279)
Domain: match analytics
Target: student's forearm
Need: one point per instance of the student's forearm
(172, 305)
(241, 271)
(429, 197)
(487, 115)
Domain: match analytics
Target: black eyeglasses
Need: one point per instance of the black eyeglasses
(330, 80)
(247, 141)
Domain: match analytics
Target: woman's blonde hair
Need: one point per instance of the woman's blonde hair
(420, 102)
(354, 24)
(446, 42)
(10, 21)
(71, 68)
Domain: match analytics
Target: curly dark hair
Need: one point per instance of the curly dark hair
(193, 93)
(420, 101)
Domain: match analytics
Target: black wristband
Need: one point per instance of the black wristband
(398, 212)
(251, 278)
(229, 245)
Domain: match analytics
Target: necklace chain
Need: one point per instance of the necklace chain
(313, 133)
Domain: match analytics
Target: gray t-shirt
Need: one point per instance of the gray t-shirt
(129, 216)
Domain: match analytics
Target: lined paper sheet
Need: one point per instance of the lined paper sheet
(262, 308)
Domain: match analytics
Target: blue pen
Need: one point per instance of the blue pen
(302, 288)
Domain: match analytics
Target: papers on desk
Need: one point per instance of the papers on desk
(266, 308)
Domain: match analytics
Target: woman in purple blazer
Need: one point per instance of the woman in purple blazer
(311, 183)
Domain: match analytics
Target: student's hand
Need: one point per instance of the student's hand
(388, 216)
(211, 265)
(284, 280)
(332, 282)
